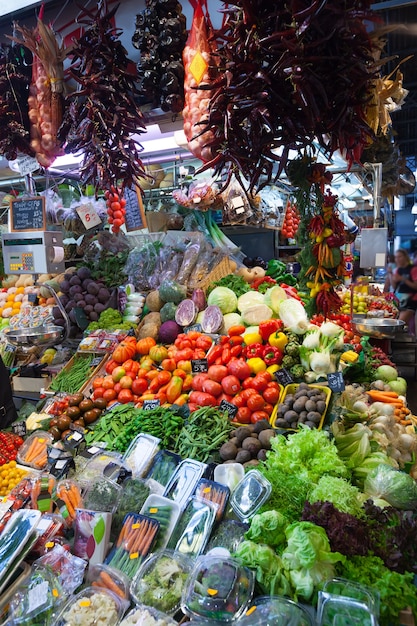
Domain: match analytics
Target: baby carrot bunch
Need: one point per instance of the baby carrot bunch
(34, 451)
(68, 498)
(111, 580)
(133, 543)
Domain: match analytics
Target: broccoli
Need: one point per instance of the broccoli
(292, 349)
(297, 372)
(162, 587)
(288, 362)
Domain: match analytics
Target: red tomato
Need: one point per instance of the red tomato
(259, 383)
(204, 342)
(239, 368)
(247, 383)
(271, 395)
(224, 396)
(98, 393)
(210, 386)
(256, 402)
(108, 382)
(198, 382)
(109, 394)
(126, 382)
(258, 416)
(98, 382)
(139, 386)
(217, 372)
(124, 396)
(110, 365)
(243, 415)
(268, 408)
(131, 366)
(202, 399)
(239, 401)
(231, 385)
(118, 373)
(247, 393)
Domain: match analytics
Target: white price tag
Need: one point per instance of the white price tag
(27, 165)
(38, 596)
(88, 215)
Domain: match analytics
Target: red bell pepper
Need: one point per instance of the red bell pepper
(267, 280)
(253, 350)
(268, 327)
(272, 355)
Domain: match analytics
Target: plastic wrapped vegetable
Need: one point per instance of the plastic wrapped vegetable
(395, 487)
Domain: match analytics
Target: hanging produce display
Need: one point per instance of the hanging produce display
(102, 113)
(46, 90)
(160, 36)
(273, 97)
(15, 77)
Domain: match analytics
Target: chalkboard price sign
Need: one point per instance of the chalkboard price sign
(199, 366)
(230, 408)
(135, 213)
(336, 381)
(27, 214)
(150, 405)
(283, 377)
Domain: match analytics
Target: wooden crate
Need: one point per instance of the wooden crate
(93, 373)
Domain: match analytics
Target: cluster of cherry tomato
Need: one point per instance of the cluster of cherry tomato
(291, 222)
(116, 209)
(344, 321)
(9, 445)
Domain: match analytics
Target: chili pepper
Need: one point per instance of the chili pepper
(214, 353)
(254, 350)
(290, 291)
(261, 281)
(269, 327)
(272, 355)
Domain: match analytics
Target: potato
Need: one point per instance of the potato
(252, 463)
(252, 445)
(291, 416)
(281, 423)
(310, 405)
(241, 433)
(299, 404)
(243, 456)
(320, 406)
(314, 417)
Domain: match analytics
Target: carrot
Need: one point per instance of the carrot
(110, 584)
(390, 394)
(141, 539)
(382, 396)
(41, 461)
(148, 541)
(406, 422)
(35, 449)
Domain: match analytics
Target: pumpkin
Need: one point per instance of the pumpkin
(125, 350)
(144, 345)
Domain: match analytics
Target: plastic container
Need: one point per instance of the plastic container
(94, 468)
(102, 494)
(134, 493)
(218, 589)
(37, 599)
(229, 474)
(353, 590)
(106, 577)
(193, 528)
(33, 452)
(161, 580)
(292, 388)
(163, 466)
(228, 535)
(49, 526)
(343, 611)
(272, 610)
(91, 606)
(17, 538)
(147, 615)
(184, 481)
(133, 544)
(140, 453)
(250, 494)
(215, 494)
(166, 512)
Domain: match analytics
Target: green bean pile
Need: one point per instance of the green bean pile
(71, 380)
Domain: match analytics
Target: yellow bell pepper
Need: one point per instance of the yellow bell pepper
(256, 365)
(350, 356)
(250, 338)
(273, 368)
(278, 340)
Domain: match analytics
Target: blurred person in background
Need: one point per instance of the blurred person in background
(404, 283)
(8, 413)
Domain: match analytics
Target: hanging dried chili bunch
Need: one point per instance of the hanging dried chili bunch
(15, 76)
(103, 115)
(293, 72)
(46, 89)
(160, 36)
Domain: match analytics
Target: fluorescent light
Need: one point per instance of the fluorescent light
(414, 209)
(10, 6)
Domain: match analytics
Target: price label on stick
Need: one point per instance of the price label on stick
(336, 381)
(283, 377)
(88, 215)
(149, 405)
(230, 408)
(199, 365)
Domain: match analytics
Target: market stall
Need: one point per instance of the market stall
(213, 437)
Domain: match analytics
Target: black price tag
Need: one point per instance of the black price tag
(199, 366)
(61, 467)
(33, 298)
(149, 405)
(283, 377)
(196, 327)
(230, 408)
(75, 439)
(336, 381)
(96, 361)
(19, 429)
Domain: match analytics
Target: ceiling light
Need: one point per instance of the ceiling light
(414, 209)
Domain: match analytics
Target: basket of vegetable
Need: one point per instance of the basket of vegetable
(301, 404)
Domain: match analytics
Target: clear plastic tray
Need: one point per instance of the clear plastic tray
(215, 494)
(193, 528)
(272, 610)
(163, 466)
(21, 526)
(102, 494)
(140, 453)
(229, 534)
(33, 452)
(94, 468)
(166, 512)
(134, 493)
(161, 580)
(91, 606)
(147, 615)
(184, 481)
(229, 474)
(353, 590)
(37, 599)
(219, 589)
(343, 611)
(106, 577)
(250, 494)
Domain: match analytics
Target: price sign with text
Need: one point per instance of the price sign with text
(336, 381)
(231, 409)
(88, 215)
(149, 405)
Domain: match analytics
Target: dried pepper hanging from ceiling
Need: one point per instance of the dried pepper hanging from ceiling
(103, 115)
(46, 90)
(160, 36)
(15, 77)
(292, 72)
